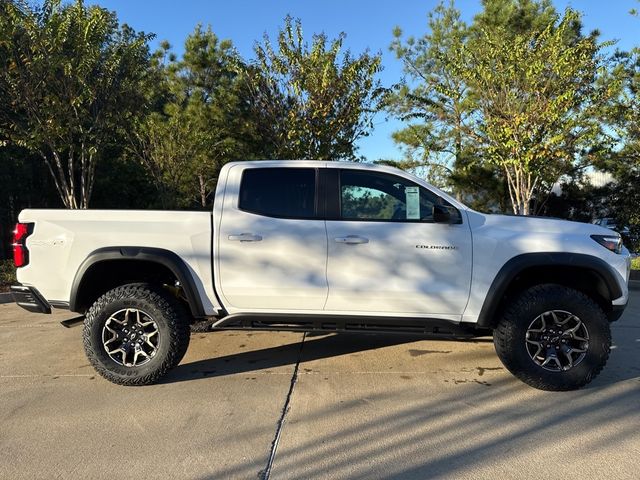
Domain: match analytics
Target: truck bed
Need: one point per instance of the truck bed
(63, 239)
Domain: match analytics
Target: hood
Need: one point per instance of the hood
(535, 224)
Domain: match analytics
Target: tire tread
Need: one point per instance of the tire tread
(171, 309)
(505, 335)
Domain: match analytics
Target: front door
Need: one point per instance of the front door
(388, 254)
(272, 245)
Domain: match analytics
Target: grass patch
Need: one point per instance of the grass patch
(7, 275)
(635, 263)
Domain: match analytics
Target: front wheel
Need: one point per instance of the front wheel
(135, 333)
(553, 338)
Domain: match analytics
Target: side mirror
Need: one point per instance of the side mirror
(441, 214)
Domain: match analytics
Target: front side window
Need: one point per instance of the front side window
(379, 196)
(279, 192)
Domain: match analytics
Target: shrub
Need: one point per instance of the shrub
(7, 273)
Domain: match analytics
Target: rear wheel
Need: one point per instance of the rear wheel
(135, 333)
(553, 338)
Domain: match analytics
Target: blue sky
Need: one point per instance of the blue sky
(367, 23)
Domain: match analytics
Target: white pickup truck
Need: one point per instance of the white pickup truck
(332, 247)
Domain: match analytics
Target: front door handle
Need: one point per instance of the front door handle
(351, 239)
(245, 237)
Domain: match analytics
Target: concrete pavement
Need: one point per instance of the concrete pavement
(60, 420)
(340, 406)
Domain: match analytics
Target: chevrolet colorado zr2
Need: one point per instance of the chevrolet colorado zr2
(330, 247)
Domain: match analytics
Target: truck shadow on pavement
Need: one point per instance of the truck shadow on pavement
(314, 347)
(622, 365)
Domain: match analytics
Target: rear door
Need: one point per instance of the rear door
(272, 243)
(387, 253)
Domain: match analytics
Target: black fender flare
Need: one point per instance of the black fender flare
(512, 268)
(166, 258)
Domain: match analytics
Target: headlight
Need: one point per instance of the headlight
(610, 242)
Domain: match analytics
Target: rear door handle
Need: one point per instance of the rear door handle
(245, 237)
(351, 239)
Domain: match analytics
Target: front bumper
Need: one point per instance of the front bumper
(30, 299)
(618, 305)
(616, 312)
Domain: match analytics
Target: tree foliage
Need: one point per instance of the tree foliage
(504, 105)
(202, 123)
(312, 101)
(496, 110)
(536, 97)
(517, 17)
(73, 77)
(622, 117)
(437, 106)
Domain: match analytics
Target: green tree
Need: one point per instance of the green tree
(434, 101)
(73, 75)
(165, 145)
(437, 106)
(536, 99)
(311, 101)
(510, 103)
(215, 99)
(622, 117)
(518, 17)
(201, 122)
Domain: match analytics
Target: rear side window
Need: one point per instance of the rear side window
(279, 192)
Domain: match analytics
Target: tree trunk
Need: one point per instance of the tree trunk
(520, 190)
(203, 191)
(65, 181)
(458, 152)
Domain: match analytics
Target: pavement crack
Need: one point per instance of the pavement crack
(266, 473)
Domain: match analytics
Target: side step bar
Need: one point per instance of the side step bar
(341, 323)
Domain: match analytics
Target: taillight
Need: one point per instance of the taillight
(20, 252)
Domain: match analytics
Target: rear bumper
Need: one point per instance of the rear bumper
(30, 299)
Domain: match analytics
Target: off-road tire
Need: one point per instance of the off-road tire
(509, 337)
(168, 314)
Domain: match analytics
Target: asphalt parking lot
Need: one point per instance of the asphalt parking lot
(349, 406)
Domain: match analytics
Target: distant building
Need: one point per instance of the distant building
(594, 178)
(599, 179)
